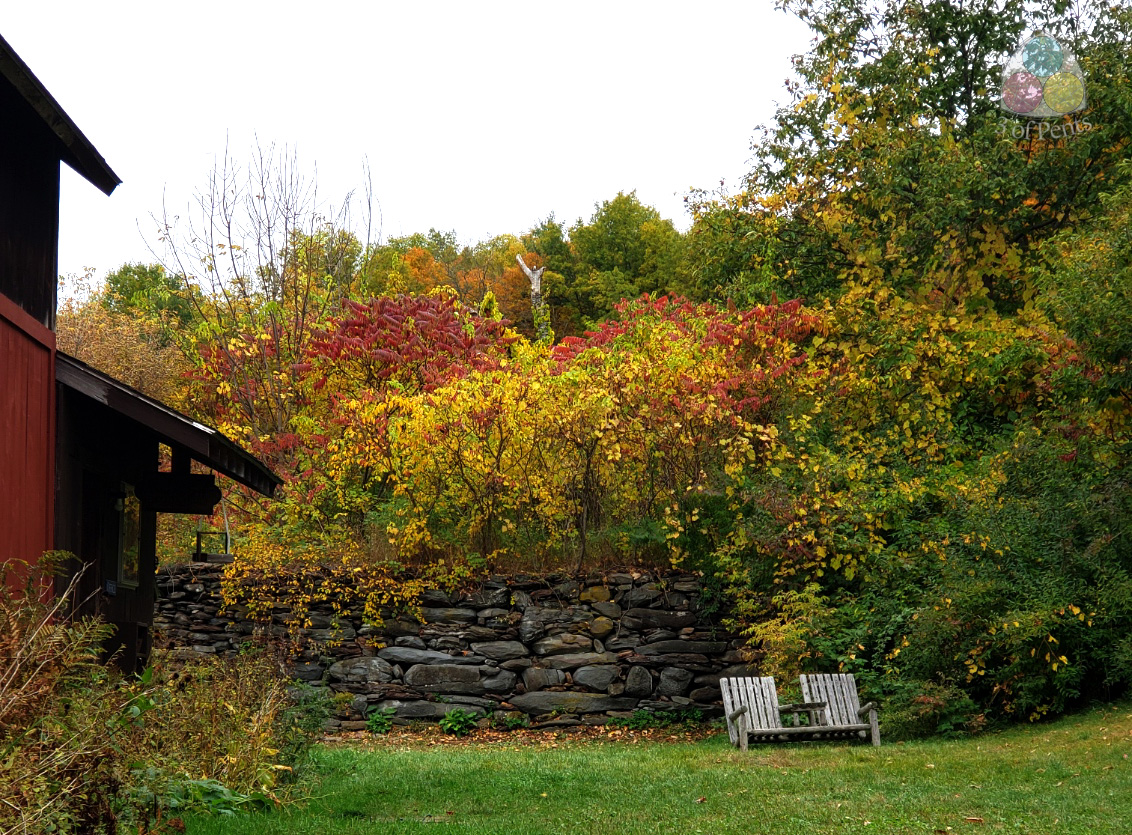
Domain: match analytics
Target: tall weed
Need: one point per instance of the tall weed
(85, 750)
(61, 714)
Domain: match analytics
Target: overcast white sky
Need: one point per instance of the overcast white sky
(482, 117)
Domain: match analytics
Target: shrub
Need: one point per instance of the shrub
(380, 720)
(510, 723)
(83, 749)
(233, 720)
(62, 715)
(458, 722)
(921, 709)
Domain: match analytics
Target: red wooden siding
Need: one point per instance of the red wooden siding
(27, 435)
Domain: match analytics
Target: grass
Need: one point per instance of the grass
(1065, 777)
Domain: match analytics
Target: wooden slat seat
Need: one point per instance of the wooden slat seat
(844, 717)
(751, 708)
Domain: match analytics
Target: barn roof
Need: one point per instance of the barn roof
(77, 150)
(203, 443)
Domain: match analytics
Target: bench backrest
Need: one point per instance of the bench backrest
(758, 695)
(838, 691)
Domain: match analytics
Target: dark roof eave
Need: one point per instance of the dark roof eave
(203, 443)
(79, 153)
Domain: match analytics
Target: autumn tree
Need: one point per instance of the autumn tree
(1085, 283)
(414, 263)
(124, 341)
(264, 263)
(892, 163)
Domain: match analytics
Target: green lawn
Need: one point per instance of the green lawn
(1071, 776)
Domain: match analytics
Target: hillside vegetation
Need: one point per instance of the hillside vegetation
(879, 395)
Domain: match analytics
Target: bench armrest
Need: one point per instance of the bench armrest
(735, 714)
(868, 706)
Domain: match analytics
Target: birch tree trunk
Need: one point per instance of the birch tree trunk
(539, 312)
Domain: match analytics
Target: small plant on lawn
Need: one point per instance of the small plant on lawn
(156, 790)
(458, 722)
(380, 720)
(340, 704)
(510, 723)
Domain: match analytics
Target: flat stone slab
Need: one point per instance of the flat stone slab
(561, 644)
(445, 615)
(642, 594)
(488, 599)
(609, 610)
(407, 656)
(501, 682)
(444, 678)
(567, 702)
(578, 659)
(596, 678)
(500, 650)
(698, 647)
(362, 670)
(536, 678)
(661, 618)
(307, 671)
(427, 710)
(435, 597)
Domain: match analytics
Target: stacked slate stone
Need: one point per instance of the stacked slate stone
(553, 651)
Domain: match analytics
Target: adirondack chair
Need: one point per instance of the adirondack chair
(753, 713)
(844, 716)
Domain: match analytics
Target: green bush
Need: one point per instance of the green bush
(510, 723)
(458, 722)
(922, 709)
(380, 720)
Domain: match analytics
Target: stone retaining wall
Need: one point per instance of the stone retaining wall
(552, 651)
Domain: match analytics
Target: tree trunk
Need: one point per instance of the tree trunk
(538, 307)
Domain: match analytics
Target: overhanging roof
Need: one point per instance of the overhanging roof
(203, 443)
(78, 152)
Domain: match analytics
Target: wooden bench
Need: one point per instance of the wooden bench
(844, 716)
(751, 708)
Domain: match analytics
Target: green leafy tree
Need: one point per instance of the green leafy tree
(625, 250)
(149, 290)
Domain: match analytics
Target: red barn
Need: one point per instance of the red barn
(79, 451)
